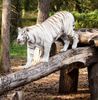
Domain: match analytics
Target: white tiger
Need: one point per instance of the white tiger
(44, 34)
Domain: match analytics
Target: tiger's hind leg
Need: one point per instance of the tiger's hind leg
(66, 43)
(75, 41)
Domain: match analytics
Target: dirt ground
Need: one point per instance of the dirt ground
(47, 88)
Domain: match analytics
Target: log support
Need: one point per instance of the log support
(93, 81)
(68, 82)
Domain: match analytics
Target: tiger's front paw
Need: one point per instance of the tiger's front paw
(74, 46)
(22, 67)
(44, 60)
(63, 50)
(26, 66)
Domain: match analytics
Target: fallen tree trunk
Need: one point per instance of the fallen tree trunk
(41, 70)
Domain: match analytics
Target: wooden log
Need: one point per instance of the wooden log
(93, 81)
(68, 82)
(41, 70)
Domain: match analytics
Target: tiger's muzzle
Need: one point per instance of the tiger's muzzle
(18, 41)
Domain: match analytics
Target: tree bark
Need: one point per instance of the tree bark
(93, 81)
(43, 10)
(5, 36)
(41, 70)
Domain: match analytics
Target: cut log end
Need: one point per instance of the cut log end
(87, 37)
(94, 41)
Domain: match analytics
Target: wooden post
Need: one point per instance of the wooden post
(68, 82)
(93, 81)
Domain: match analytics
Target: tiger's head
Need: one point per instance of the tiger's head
(22, 35)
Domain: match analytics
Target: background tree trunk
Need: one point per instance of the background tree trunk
(43, 10)
(5, 60)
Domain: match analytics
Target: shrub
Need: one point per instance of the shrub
(86, 20)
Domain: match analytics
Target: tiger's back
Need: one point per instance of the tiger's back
(59, 23)
(56, 25)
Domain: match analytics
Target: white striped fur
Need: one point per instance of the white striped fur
(43, 35)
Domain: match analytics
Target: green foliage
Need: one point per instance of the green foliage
(17, 50)
(29, 21)
(15, 20)
(94, 4)
(29, 5)
(74, 5)
(86, 20)
(56, 5)
(29, 18)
